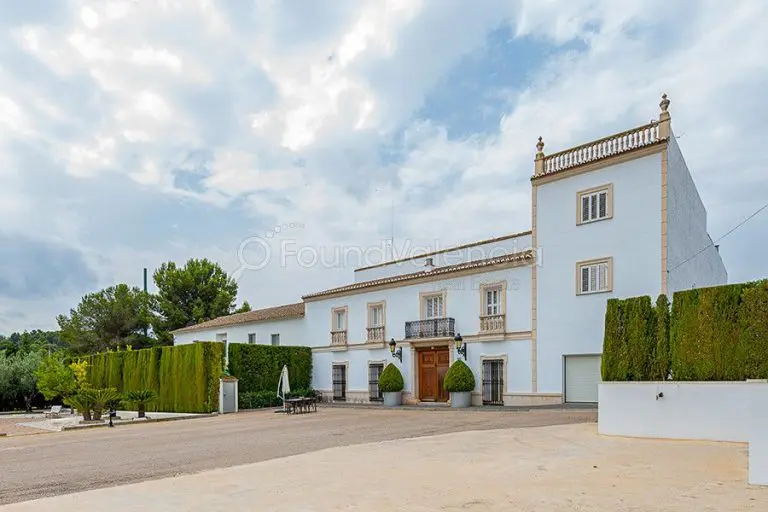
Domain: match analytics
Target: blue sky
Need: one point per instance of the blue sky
(136, 132)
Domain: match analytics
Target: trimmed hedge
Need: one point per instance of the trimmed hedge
(391, 380)
(712, 334)
(720, 333)
(258, 367)
(631, 338)
(185, 377)
(459, 378)
(261, 399)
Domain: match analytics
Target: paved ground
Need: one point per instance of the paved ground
(558, 468)
(58, 463)
(8, 425)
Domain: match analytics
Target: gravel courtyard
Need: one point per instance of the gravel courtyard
(34, 466)
(554, 468)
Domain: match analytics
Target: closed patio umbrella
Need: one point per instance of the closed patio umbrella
(284, 386)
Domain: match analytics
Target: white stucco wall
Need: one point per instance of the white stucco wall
(758, 435)
(714, 411)
(292, 332)
(474, 253)
(402, 305)
(687, 231)
(573, 324)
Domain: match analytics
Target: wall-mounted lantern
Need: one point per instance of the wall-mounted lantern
(461, 347)
(396, 353)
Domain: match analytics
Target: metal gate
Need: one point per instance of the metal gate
(340, 382)
(229, 396)
(493, 382)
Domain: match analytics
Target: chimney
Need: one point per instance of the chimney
(429, 264)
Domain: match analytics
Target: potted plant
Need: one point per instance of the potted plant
(391, 385)
(460, 382)
(141, 398)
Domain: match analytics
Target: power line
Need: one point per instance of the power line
(737, 226)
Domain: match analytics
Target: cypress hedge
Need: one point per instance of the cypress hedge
(185, 377)
(712, 334)
(258, 367)
(629, 342)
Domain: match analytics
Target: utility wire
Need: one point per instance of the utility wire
(737, 226)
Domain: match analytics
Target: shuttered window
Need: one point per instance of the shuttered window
(374, 372)
(595, 204)
(493, 382)
(595, 276)
(339, 374)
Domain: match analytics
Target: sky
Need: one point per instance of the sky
(290, 140)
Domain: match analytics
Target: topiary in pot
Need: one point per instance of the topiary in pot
(391, 385)
(460, 382)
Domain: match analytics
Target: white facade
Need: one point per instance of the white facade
(688, 230)
(612, 218)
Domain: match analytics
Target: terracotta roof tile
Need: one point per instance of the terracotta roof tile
(285, 312)
(521, 257)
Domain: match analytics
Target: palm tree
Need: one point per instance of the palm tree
(102, 398)
(141, 398)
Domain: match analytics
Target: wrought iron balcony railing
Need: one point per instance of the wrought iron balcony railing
(432, 328)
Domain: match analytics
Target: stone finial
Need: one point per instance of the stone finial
(664, 102)
(540, 146)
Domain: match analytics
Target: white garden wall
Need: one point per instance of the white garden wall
(712, 411)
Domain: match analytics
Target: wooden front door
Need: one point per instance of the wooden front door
(433, 363)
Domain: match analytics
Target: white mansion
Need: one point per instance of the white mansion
(616, 217)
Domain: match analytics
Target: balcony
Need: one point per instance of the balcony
(375, 334)
(338, 337)
(491, 324)
(432, 328)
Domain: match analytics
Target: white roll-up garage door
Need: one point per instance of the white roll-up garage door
(582, 375)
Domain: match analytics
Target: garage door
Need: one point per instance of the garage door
(582, 375)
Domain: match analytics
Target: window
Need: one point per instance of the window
(493, 382)
(492, 301)
(339, 373)
(222, 337)
(376, 318)
(595, 204)
(374, 372)
(275, 339)
(252, 338)
(595, 276)
(433, 306)
(339, 319)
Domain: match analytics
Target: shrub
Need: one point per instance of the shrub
(753, 340)
(103, 399)
(141, 398)
(629, 342)
(459, 378)
(55, 379)
(258, 400)
(660, 363)
(258, 367)
(391, 380)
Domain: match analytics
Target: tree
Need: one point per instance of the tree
(18, 380)
(108, 319)
(30, 341)
(194, 293)
(244, 308)
(55, 379)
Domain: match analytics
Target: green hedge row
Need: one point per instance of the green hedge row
(258, 367)
(711, 334)
(261, 399)
(720, 333)
(185, 377)
(636, 340)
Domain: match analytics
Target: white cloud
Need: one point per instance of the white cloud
(276, 112)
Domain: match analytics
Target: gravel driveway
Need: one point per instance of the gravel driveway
(45, 465)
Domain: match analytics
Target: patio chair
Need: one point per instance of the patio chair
(54, 412)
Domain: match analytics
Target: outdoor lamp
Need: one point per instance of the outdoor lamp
(395, 353)
(461, 347)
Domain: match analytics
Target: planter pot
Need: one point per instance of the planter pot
(393, 399)
(461, 400)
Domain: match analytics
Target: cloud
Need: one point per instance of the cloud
(139, 132)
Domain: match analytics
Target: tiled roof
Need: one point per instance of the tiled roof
(285, 312)
(449, 249)
(521, 258)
